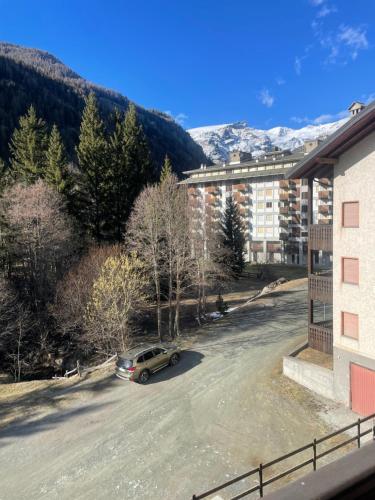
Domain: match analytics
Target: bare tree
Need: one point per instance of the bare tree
(74, 292)
(145, 235)
(39, 240)
(15, 324)
(178, 258)
(208, 254)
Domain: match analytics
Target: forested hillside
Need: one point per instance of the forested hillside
(30, 76)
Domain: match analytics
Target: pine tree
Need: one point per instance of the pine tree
(233, 236)
(92, 152)
(137, 153)
(28, 147)
(166, 170)
(119, 202)
(55, 173)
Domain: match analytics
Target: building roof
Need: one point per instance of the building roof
(295, 156)
(239, 175)
(358, 127)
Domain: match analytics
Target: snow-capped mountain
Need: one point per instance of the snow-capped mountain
(218, 140)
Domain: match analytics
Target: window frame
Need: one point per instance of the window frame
(342, 326)
(343, 213)
(342, 271)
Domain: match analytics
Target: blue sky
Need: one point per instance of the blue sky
(269, 62)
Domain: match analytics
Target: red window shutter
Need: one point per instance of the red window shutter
(350, 214)
(350, 270)
(349, 325)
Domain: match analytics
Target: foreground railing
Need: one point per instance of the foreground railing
(313, 447)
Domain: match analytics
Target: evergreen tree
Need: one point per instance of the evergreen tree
(137, 153)
(93, 162)
(28, 147)
(55, 173)
(233, 236)
(119, 201)
(166, 170)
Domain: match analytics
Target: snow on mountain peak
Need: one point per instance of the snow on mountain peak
(218, 140)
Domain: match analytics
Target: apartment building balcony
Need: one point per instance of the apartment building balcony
(257, 246)
(240, 187)
(320, 336)
(241, 199)
(284, 184)
(320, 288)
(284, 236)
(304, 195)
(325, 209)
(283, 223)
(324, 195)
(283, 196)
(295, 207)
(214, 190)
(284, 210)
(320, 237)
(291, 196)
(324, 181)
(295, 219)
(192, 191)
(274, 247)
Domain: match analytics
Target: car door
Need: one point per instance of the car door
(160, 357)
(150, 361)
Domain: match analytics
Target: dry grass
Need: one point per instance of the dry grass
(316, 357)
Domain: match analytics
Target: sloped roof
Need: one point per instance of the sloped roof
(354, 130)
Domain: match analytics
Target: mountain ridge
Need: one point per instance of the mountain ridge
(218, 140)
(33, 76)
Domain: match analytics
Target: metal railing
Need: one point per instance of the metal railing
(313, 446)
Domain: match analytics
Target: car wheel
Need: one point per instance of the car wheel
(175, 358)
(143, 376)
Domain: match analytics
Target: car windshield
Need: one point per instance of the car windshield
(124, 363)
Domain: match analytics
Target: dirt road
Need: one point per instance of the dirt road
(221, 411)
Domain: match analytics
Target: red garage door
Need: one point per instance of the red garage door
(362, 385)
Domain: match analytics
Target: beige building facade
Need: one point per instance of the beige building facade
(348, 157)
(273, 209)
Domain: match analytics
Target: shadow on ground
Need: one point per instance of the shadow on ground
(17, 415)
(189, 360)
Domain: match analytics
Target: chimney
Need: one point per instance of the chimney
(356, 107)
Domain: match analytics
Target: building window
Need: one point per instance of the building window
(260, 230)
(269, 219)
(269, 231)
(260, 219)
(350, 270)
(349, 325)
(350, 214)
(269, 193)
(261, 193)
(268, 204)
(260, 205)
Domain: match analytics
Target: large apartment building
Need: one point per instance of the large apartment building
(273, 208)
(348, 293)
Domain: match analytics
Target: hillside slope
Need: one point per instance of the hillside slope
(31, 76)
(218, 140)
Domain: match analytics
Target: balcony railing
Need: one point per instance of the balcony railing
(320, 237)
(240, 187)
(320, 336)
(320, 288)
(283, 196)
(284, 210)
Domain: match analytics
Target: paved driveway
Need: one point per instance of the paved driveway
(221, 411)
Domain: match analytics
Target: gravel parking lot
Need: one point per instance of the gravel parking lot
(221, 411)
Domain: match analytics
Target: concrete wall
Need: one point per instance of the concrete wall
(314, 377)
(341, 360)
(354, 180)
